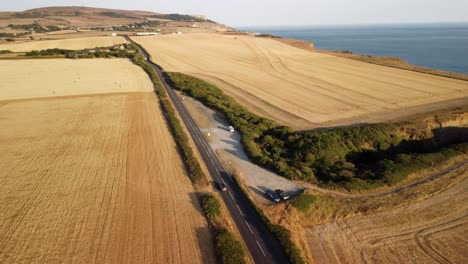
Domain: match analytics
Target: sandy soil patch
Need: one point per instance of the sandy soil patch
(431, 231)
(72, 44)
(95, 179)
(60, 77)
(299, 88)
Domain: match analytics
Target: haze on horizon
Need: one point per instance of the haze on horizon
(276, 12)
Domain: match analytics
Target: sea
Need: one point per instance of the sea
(438, 46)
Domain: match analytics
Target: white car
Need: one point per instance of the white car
(231, 129)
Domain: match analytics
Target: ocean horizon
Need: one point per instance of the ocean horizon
(442, 46)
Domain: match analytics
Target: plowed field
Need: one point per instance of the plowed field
(94, 179)
(300, 88)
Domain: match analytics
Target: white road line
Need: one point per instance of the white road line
(238, 208)
(221, 178)
(212, 162)
(261, 249)
(230, 194)
(249, 227)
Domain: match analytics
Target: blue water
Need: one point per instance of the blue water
(438, 46)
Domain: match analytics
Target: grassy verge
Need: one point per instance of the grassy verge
(196, 174)
(228, 248)
(352, 158)
(282, 234)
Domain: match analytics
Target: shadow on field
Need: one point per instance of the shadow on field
(203, 234)
(196, 202)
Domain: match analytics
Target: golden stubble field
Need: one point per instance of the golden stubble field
(64, 77)
(431, 231)
(300, 88)
(94, 179)
(90, 173)
(72, 44)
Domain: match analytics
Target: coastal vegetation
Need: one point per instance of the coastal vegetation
(353, 158)
(123, 51)
(228, 247)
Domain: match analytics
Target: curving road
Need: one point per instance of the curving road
(262, 245)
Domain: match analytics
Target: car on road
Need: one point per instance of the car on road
(271, 195)
(220, 186)
(281, 194)
(231, 129)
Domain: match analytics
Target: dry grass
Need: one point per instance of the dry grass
(72, 44)
(430, 231)
(60, 77)
(299, 88)
(94, 179)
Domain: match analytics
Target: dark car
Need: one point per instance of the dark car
(220, 186)
(281, 194)
(272, 196)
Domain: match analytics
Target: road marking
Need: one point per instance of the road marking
(261, 249)
(249, 227)
(231, 178)
(221, 178)
(212, 162)
(231, 195)
(238, 208)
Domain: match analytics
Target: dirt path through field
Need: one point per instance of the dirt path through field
(432, 231)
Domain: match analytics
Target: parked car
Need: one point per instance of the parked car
(281, 194)
(231, 129)
(220, 186)
(272, 196)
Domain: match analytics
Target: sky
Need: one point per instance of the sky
(239, 13)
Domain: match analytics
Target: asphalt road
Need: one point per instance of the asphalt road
(262, 245)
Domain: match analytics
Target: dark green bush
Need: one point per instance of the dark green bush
(303, 202)
(229, 249)
(211, 206)
(355, 158)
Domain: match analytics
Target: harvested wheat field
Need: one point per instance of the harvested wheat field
(432, 231)
(300, 88)
(62, 77)
(94, 179)
(71, 44)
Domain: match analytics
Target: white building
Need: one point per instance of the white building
(146, 34)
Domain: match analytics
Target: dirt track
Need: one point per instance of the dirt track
(95, 179)
(299, 88)
(432, 231)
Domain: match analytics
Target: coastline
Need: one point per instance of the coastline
(392, 62)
